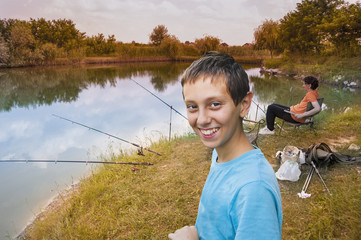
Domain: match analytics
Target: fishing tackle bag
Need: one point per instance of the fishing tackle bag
(322, 155)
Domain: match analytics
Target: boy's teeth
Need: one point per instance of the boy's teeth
(209, 131)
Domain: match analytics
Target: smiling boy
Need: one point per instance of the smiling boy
(241, 197)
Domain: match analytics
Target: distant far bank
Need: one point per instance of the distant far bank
(141, 59)
(106, 60)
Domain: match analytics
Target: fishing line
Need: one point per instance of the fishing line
(72, 161)
(258, 107)
(170, 124)
(171, 107)
(140, 150)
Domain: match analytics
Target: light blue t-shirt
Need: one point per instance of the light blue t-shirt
(240, 200)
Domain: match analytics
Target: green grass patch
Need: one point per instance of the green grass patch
(272, 63)
(322, 216)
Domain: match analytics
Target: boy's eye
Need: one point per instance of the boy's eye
(191, 107)
(215, 104)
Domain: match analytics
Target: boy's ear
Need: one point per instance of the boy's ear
(246, 104)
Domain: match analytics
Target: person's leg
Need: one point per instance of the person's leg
(277, 110)
(287, 117)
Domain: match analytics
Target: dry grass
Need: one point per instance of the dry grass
(119, 203)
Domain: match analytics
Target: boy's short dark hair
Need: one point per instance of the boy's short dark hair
(215, 64)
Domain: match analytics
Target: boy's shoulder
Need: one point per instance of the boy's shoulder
(251, 166)
(253, 158)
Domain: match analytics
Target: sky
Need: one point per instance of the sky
(232, 21)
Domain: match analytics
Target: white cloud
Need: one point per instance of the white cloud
(18, 130)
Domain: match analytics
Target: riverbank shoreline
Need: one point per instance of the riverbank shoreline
(52, 205)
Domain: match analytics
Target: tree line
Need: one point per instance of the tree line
(41, 41)
(325, 27)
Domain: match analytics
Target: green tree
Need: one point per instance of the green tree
(110, 44)
(208, 43)
(299, 29)
(344, 29)
(99, 45)
(266, 36)
(61, 32)
(159, 33)
(171, 46)
(42, 30)
(95, 44)
(67, 35)
(5, 27)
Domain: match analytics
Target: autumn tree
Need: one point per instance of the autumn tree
(4, 52)
(21, 43)
(49, 51)
(208, 43)
(159, 33)
(266, 36)
(171, 46)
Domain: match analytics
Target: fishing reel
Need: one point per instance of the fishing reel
(140, 151)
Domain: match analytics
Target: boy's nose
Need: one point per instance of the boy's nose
(203, 118)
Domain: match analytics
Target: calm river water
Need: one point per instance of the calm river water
(104, 97)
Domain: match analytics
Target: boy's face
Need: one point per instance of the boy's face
(212, 113)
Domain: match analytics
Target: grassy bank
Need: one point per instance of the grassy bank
(120, 203)
(136, 59)
(332, 70)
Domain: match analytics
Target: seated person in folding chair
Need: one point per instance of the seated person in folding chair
(296, 113)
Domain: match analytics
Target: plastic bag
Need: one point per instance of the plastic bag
(289, 170)
(302, 158)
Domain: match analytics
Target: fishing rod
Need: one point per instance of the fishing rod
(303, 193)
(318, 173)
(171, 107)
(140, 150)
(72, 161)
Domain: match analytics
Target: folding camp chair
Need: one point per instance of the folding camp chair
(252, 132)
(309, 120)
